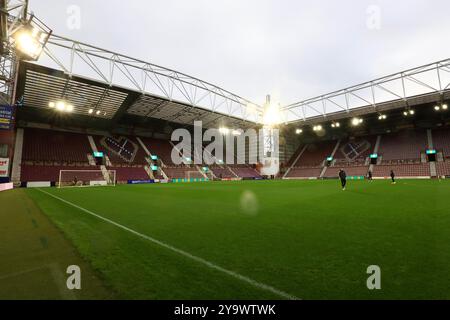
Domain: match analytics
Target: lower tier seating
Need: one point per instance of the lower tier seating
(332, 172)
(443, 168)
(222, 172)
(181, 172)
(32, 173)
(130, 173)
(403, 170)
(298, 172)
(246, 172)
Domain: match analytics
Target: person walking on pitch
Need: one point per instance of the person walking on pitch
(393, 176)
(343, 177)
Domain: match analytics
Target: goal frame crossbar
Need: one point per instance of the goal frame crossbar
(108, 178)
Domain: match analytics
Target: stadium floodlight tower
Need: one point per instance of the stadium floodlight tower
(22, 37)
(269, 151)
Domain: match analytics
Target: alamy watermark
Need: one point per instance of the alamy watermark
(374, 280)
(225, 146)
(373, 21)
(74, 279)
(73, 21)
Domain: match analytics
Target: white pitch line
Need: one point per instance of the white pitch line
(182, 252)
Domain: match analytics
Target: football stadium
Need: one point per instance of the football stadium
(125, 179)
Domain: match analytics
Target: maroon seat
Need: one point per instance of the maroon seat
(160, 148)
(403, 145)
(130, 173)
(315, 154)
(51, 173)
(443, 168)
(332, 172)
(307, 172)
(41, 145)
(441, 141)
(403, 170)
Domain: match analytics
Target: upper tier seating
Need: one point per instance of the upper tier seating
(355, 150)
(315, 154)
(403, 145)
(441, 141)
(120, 150)
(294, 156)
(42, 145)
(141, 155)
(403, 170)
(160, 148)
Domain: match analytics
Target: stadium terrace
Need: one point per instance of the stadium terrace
(121, 179)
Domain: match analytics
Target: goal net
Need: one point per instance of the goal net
(194, 175)
(80, 178)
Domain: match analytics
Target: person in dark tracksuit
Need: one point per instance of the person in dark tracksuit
(343, 177)
(393, 176)
(369, 175)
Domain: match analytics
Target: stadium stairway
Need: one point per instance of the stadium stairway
(295, 161)
(149, 159)
(375, 150)
(332, 155)
(18, 148)
(433, 171)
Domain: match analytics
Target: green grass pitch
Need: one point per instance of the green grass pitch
(308, 239)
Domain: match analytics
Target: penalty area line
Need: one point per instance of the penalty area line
(186, 254)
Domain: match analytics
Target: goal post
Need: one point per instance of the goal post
(194, 175)
(84, 178)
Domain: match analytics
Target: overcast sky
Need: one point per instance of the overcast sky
(290, 49)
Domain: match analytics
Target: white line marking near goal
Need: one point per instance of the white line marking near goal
(182, 252)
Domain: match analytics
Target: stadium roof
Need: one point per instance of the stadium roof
(421, 85)
(160, 93)
(114, 84)
(39, 85)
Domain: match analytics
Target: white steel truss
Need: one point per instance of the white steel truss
(430, 79)
(13, 13)
(77, 58)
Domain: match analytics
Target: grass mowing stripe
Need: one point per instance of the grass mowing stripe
(181, 252)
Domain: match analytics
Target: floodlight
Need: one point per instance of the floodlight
(28, 45)
(51, 104)
(98, 112)
(317, 128)
(356, 121)
(444, 107)
(60, 106)
(69, 108)
(382, 117)
(30, 39)
(90, 111)
(298, 131)
(437, 108)
(411, 111)
(272, 115)
(335, 125)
